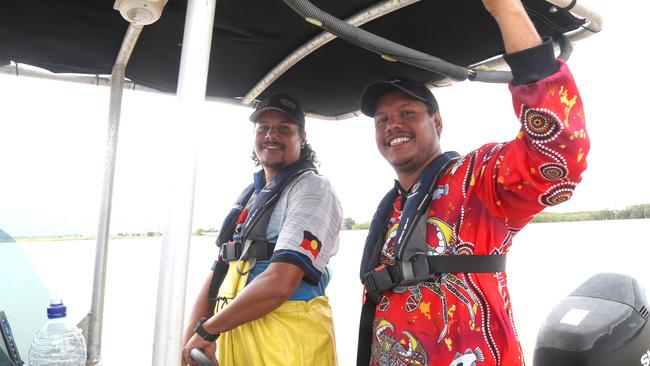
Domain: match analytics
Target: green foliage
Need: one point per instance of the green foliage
(361, 226)
(348, 223)
(641, 211)
(200, 232)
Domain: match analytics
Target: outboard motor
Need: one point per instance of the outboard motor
(604, 322)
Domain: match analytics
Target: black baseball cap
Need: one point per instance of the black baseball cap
(376, 89)
(282, 103)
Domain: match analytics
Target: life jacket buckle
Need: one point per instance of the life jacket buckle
(231, 251)
(257, 250)
(380, 280)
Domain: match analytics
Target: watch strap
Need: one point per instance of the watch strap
(200, 330)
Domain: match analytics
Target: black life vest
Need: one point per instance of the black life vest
(413, 261)
(253, 243)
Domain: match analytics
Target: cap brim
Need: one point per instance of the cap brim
(253, 117)
(375, 90)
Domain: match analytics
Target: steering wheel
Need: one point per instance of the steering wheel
(201, 358)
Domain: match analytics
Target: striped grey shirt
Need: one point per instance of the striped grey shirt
(307, 220)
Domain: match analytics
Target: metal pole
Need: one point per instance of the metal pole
(192, 81)
(95, 316)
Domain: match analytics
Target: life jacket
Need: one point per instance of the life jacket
(252, 244)
(414, 261)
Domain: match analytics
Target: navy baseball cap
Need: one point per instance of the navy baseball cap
(376, 89)
(282, 103)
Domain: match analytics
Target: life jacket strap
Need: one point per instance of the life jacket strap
(423, 268)
(233, 251)
(219, 269)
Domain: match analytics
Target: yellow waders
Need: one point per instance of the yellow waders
(298, 333)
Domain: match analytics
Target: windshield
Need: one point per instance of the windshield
(22, 293)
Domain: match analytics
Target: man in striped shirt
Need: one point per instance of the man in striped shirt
(272, 309)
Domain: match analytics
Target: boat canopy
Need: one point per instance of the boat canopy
(252, 38)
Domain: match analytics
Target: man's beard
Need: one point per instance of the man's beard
(273, 164)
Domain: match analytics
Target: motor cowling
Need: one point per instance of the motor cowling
(603, 322)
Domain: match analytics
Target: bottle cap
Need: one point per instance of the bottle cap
(56, 309)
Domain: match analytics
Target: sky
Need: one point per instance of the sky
(52, 143)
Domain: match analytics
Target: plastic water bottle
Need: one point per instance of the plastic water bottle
(57, 343)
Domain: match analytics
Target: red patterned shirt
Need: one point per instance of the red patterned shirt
(482, 202)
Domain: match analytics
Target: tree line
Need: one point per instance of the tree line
(641, 211)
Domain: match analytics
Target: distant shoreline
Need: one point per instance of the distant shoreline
(641, 211)
(48, 238)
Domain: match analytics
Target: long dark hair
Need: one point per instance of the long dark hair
(306, 153)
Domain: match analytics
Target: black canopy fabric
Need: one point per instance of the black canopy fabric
(251, 37)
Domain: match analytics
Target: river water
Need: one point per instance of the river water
(546, 262)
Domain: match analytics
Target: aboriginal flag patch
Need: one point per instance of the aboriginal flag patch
(311, 243)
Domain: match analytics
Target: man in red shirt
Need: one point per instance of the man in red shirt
(429, 310)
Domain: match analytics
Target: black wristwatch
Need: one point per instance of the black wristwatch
(198, 329)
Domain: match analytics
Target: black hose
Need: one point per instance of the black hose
(491, 76)
(384, 47)
(375, 43)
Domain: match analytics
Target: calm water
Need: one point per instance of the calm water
(546, 262)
